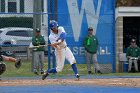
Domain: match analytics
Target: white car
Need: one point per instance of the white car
(16, 35)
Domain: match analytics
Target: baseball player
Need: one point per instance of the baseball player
(38, 53)
(8, 59)
(132, 54)
(91, 46)
(57, 38)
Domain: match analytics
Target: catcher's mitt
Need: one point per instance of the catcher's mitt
(2, 68)
(18, 63)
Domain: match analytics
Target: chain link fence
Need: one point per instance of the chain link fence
(18, 45)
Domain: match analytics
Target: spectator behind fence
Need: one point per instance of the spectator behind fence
(38, 53)
(91, 46)
(132, 54)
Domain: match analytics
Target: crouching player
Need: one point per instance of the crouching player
(8, 59)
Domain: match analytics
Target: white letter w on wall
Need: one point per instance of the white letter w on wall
(76, 15)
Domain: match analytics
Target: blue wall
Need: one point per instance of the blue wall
(77, 15)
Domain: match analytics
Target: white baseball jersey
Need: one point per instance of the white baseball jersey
(55, 37)
(63, 52)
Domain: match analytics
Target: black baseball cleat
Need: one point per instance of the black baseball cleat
(78, 76)
(89, 72)
(36, 73)
(99, 72)
(44, 76)
(41, 72)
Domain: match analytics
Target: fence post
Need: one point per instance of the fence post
(28, 53)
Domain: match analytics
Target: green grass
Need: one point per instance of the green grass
(25, 70)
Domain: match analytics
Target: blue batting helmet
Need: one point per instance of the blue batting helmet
(53, 24)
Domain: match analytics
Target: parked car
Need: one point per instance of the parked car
(16, 35)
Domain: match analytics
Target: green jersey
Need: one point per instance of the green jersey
(133, 51)
(38, 40)
(91, 44)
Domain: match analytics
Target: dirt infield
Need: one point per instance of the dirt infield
(129, 82)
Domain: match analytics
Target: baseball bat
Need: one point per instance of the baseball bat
(37, 46)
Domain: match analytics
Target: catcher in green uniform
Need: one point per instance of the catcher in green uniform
(4, 57)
